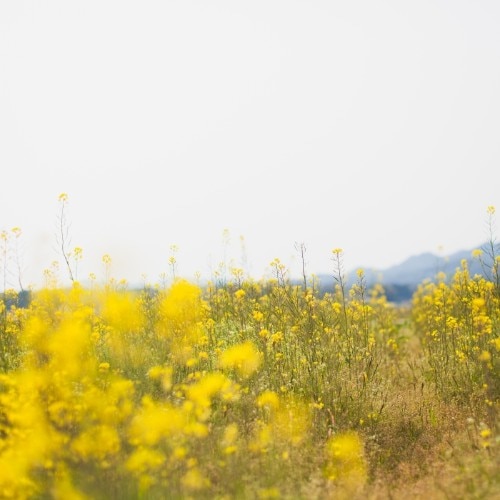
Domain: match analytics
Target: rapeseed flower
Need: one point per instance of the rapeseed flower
(244, 358)
(345, 460)
(122, 311)
(155, 422)
(144, 459)
(195, 480)
(268, 399)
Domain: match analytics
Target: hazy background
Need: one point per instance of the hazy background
(371, 126)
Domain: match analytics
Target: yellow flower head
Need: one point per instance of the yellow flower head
(78, 253)
(268, 399)
(244, 358)
(485, 356)
(345, 461)
(182, 303)
(194, 480)
(104, 367)
(257, 316)
(122, 311)
(211, 385)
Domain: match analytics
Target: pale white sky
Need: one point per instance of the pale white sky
(368, 125)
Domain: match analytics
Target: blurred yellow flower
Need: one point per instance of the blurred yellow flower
(244, 358)
(485, 356)
(268, 399)
(345, 460)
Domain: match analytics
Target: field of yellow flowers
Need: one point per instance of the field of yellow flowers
(252, 389)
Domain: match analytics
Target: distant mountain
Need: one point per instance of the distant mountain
(401, 281)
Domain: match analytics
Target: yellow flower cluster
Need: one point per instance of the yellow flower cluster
(151, 387)
(460, 327)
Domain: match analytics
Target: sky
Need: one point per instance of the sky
(237, 130)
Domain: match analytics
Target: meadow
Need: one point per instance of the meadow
(249, 388)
